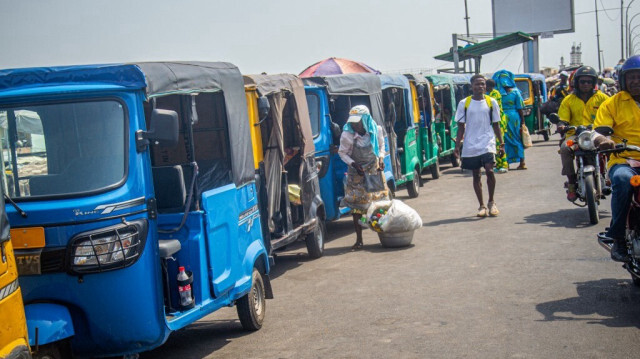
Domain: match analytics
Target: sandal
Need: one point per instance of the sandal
(357, 246)
(522, 167)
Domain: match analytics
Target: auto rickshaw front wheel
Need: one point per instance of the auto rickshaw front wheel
(315, 239)
(251, 308)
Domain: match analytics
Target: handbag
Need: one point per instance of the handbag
(373, 183)
(526, 137)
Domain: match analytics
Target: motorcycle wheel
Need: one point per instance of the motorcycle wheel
(590, 195)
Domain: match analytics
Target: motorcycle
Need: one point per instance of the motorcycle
(633, 217)
(591, 170)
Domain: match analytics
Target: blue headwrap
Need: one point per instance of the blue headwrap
(370, 126)
(504, 78)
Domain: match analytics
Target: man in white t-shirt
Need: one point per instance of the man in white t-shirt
(478, 119)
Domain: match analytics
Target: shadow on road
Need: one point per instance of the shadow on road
(198, 340)
(615, 299)
(565, 218)
(451, 220)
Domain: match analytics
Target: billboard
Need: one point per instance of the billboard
(532, 16)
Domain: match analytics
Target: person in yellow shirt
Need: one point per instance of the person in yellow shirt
(502, 166)
(578, 109)
(621, 113)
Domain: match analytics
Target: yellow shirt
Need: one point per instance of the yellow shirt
(578, 113)
(621, 113)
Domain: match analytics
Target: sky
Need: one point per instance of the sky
(277, 36)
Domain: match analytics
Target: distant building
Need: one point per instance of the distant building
(575, 57)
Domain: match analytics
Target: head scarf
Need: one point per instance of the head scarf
(370, 126)
(503, 79)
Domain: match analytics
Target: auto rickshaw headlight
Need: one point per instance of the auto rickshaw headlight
(108, 248)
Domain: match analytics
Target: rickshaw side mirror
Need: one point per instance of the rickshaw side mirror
(263, 108)
(604, 130)
(163, 129)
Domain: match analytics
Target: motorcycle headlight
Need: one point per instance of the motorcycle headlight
(585, 141)
(107, 248)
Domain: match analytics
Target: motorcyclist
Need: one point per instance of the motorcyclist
(578, 109)
(622, 114)
(561, 90)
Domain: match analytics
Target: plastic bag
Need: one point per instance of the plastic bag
(399, 217)
(526, 137)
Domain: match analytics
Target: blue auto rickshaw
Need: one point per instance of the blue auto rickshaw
(329, 99)
(534, 93)
(122, 175)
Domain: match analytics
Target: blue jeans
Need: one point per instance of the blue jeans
(620, 198)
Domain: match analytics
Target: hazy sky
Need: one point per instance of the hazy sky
(277, 35)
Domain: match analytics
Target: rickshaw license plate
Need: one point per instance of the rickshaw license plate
(28, 263)
(27, 238)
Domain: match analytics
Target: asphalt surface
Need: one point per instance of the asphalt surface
(531, 283)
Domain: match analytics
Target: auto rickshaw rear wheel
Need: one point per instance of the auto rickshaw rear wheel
(414, 187)
(315, 240)
(435, 169)
(251, 308)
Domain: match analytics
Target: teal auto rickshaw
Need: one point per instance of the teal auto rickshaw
(402, 132)
(423, 116)
(534, 93)
(445, 91)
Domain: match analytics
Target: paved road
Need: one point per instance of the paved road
(531, 283)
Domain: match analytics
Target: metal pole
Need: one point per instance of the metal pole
(466, 19)
(629, 52)
(621, 29)
(466, 16)
(627, 24)
(598, 37)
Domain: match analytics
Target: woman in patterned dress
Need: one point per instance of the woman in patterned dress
(512, 105)
(362, 149)
(502, 166)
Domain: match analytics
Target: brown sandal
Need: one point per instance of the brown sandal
(357, 246)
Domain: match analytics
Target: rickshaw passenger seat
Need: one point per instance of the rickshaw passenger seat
(170, 189)
(168, 247)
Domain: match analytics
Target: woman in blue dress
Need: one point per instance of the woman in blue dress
(512, 105)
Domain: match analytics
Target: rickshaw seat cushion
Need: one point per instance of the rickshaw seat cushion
(170, 189)
(168, 247)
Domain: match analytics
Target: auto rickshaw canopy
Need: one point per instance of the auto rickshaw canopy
(156, 79)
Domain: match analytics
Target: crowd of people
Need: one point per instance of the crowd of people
(490, 129)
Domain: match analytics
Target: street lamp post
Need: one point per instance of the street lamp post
(629, 34)
(627, 23)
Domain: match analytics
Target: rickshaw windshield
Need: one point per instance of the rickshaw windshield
(62, 148)
(523, 86)
(313, 101)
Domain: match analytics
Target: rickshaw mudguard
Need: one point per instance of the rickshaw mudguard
(52, 321)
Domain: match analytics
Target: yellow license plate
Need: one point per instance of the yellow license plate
(27, 238)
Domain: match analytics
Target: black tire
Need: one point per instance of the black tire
(315, 240)
(58, 350)
(414, 187)
(435, 169)
(545, 135)
(251, 308)
(455, 161)
(590, 195)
